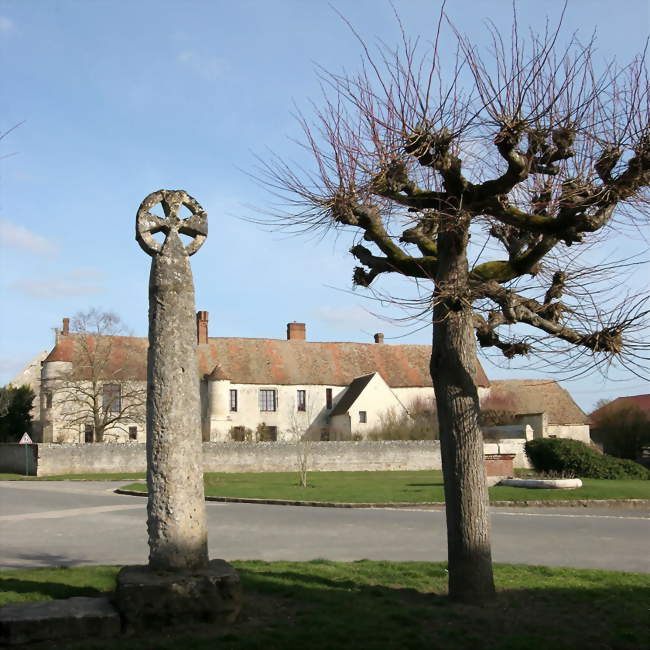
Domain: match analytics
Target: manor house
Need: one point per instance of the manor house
(276, 389)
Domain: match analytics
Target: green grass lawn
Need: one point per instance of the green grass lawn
(322, 605)
(365, 487)
(392, 487)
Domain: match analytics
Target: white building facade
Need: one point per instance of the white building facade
(275, 389)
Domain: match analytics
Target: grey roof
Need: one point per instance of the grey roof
(350, 396)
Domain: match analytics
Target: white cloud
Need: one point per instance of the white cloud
(6, 25)
(209, 68)
(80, 282)
(13, 235)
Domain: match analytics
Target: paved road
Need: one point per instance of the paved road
(71, 523)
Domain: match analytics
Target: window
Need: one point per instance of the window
(112, 398)
(89, 429)
(363, 417)
(268, 434)
(325, 435)
(133, 433)
(328, 398)
(302, 400)
(233, 399)
(268, 399)
(241, 434)
(48, 400)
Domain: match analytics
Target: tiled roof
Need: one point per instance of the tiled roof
(126, 356)
(277, 361)
(349, 397)
(641, 401)
(538, 396)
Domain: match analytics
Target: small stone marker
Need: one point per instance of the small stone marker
(179, 584)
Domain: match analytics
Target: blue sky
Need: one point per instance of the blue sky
(117, 99)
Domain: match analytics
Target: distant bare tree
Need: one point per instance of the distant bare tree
(100, 389)
(302, 416)
(493, 181)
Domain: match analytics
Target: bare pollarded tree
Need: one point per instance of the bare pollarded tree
(101, 392)
(495, 180)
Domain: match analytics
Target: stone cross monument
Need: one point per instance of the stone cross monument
(176, 508)
(179, 585)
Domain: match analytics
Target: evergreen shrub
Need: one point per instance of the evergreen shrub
(563, 455)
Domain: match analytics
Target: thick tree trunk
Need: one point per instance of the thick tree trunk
(453, 371)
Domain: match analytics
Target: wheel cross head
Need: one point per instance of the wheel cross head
(148, 224)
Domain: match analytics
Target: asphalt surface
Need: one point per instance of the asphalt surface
(74, 523)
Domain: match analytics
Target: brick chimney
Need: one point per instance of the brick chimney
(66, 327)
(379, 337)
(296, 331)
(201, 327)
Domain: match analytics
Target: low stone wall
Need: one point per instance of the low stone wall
(98, 458)
(51, 459)
(323, 456)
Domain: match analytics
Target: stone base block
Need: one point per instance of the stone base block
(73, 618)
(150, 599)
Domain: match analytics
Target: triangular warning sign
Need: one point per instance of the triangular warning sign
(26, 440)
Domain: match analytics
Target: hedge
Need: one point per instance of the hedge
(564, 456)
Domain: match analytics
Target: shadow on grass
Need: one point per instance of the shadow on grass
(317, 612)
(46, 590)
(436, 484)
(328, 606)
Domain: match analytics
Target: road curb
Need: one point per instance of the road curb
(562, 503)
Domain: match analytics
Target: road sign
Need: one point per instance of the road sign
(26, 440)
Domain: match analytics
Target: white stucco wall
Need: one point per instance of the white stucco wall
(375, 401)
(54, 428)
(51, 373)
(574, 431)
(412, 394)
(30, 376)
(536, 421)
(504, 431)
(290, 422)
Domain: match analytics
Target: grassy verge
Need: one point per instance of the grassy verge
(388, 605)
(363, 487)
(393, 487)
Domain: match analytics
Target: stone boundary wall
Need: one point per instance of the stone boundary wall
(52, 459)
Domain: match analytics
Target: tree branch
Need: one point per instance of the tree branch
(518, 309)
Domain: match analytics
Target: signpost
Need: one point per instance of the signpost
(26, 440)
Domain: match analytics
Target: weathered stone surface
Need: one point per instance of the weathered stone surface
(176, 507)
(148, 598)
(74, 618)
